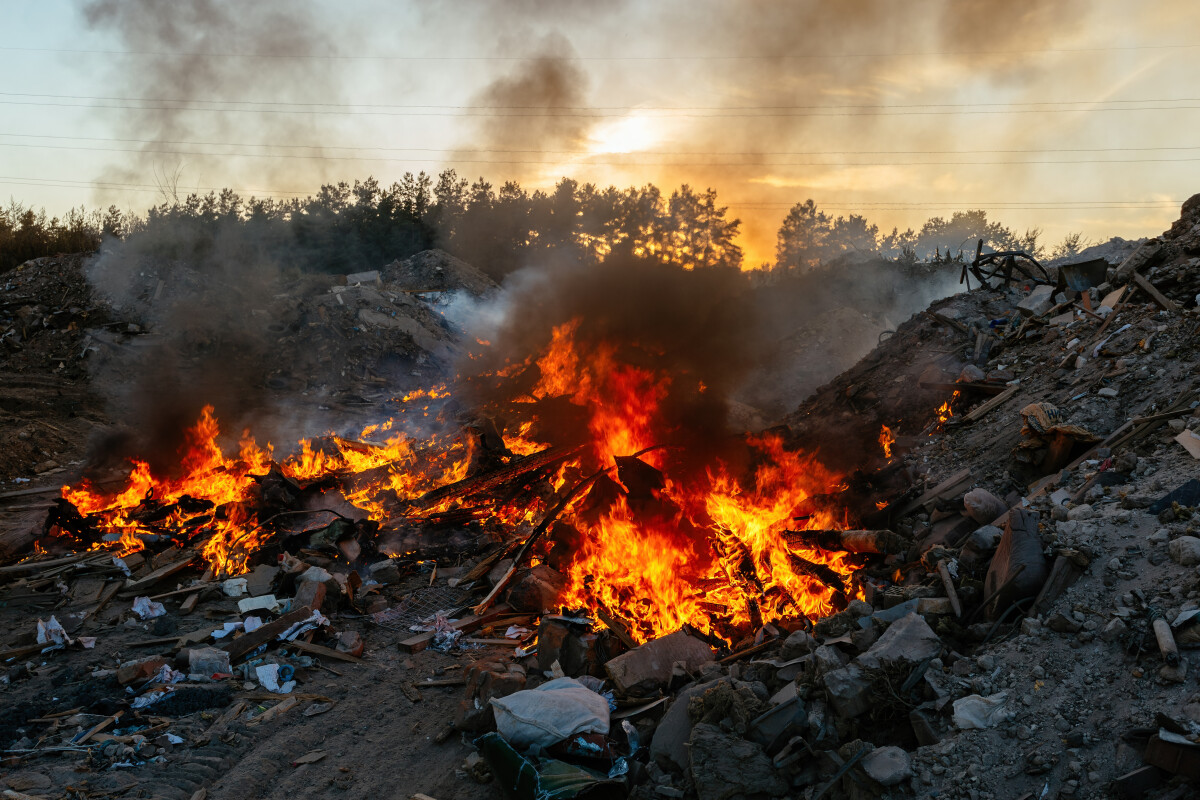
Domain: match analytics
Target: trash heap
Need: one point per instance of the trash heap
(1024, 626)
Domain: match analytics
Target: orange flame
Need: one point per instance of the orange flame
(886, 440)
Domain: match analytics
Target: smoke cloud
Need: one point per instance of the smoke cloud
(192, 57)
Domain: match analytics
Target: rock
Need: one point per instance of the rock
(1107, 391)
(668, 748)
(849, 691)
(983, 506)
(1113, 630)
(829, 658)
(970, 374)
(650, 665)
(26, 781)
(1060, 623)
(1081, 512)
(909, 640)
(798, 644)
(486, 680)
(1160, 536)
(1176, 425)
(724, 767)
(888, 765)
(1059, 513)
(567, 643)
(537, 590)
(1037, 302)
(385, 571)
(1185, 550)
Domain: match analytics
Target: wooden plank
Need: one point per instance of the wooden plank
(617, 628)
(285, 705)
(468, 624)
(1163, 302)
(34, 566)
(189, 603)
(944, 488)
(435, 682)
(982, 387)
(244, 644)
(990, 405)
(99, 726)
(133, 587)
(327, 652)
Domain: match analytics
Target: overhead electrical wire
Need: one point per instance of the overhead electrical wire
(798, 56)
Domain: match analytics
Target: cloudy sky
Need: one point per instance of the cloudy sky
(1069, 115)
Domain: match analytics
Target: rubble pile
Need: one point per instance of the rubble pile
(1019, 621)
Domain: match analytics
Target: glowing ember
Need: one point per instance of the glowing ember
(886, 440)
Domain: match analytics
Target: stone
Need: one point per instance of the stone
(1185, 550)
(849, 691)
(1107, 391)
(1113, 630)
(909, 640)
(798, 644)
(888, 765)
(724, 767)
(485, 680)
(829, 658)
(1058, 513)
(537, 590)
(1081, 512)
(1037, 302)
(668, 748)
(970, 374)
(1060, 623)
(1160, 536)
(983, 506)
(385, 571)
(650, 666)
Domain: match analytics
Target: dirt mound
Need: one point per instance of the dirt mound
(436, 270)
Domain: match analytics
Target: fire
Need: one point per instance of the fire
(946, 410)
(886, 440)
(707, 547)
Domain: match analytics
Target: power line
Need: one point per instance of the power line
(509, 162)
(790, 107)
(747, 154)
(724, 114)
(788, 56)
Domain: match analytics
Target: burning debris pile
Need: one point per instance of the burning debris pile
(963, 568)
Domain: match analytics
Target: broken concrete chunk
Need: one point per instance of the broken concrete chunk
(669, 746)
(909, 640)
(1037, 302)
(888, 765)
(725, 767)
(849, 690)
(650, 665)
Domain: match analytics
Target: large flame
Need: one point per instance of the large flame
(707, 548)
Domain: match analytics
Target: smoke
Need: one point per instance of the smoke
(208, 340)
(536, 100)
(697, 328)
(191, 58)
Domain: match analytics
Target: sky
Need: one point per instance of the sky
(1066, 115)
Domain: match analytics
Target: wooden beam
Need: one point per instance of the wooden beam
(133, 587)
(1163, 302)
(326, 652)
(997, 401)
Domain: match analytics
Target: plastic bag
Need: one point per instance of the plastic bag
(550, 713)
(974, 711)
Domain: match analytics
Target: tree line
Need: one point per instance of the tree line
(343, 227)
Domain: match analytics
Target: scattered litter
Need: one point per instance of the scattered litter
(145, 608)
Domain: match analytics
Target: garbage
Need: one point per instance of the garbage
(266, 602)
(275, 678)
(51, 633)
(147, 609)
(976, 711)
(544, 778)
(552, 712)
(234, 587)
